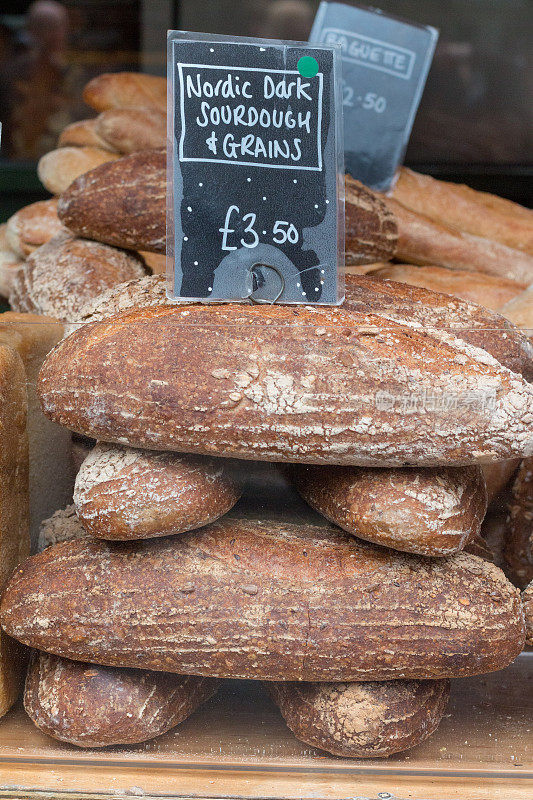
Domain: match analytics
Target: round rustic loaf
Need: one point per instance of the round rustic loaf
(33, 226)
(519, 535)
(266, 600)
(362, 720)
(123, 493)
(432, 512)
(527, 600)
(60, 277)
(93, 706)
(313, 385)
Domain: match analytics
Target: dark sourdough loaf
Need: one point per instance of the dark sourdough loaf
(94, 706)
(432, 511)
(518, 549)
(527, 600)
(373, 719)
(122, 493)
(315, 385)
(266, 600)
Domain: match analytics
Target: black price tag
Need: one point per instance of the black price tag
(255, 148)
(385, 62)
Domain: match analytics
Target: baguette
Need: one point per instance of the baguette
(122, 203)
(266, 600)
(14, 504)
(93, 706)
(127, 130)
(83, 134)
(123, 494)
(461, 207)
(60, 277)
(489, 291)
(431, 512)
(439, 316)
(423, 241)
(371, 231)
(518, 550)
(58, 168)
(520, 311)
(318, 393)
(124, 90)
(527, 600)
(362, 720)
(33, 226)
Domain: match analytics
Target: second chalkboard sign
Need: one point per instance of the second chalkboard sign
(255, 155)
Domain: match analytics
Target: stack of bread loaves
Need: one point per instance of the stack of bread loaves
(162, 580)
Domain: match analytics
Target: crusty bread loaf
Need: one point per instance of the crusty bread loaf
(10, 263)
(423, 241)
(60, 527)
(527, 600)
(130, 129)
(33, 226)
(266, 600)
(371, 231)
(83, 134)
(51, 474)
(59, 278)
(58, 168)
(362, 720)
(520, 311)
(461, 207)
(489, 291)
(123, 494)
(121, 203)
(93, 706)
(139, 292)
(497, 476)
(519, 537)
(333, 386)
(125, 89)
(14, 503)
(432, 512)
(440, 315)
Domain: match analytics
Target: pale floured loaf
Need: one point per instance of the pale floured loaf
(124, 90)
(33, 226)
(58, 168)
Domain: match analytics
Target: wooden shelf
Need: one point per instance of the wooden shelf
(237, 745)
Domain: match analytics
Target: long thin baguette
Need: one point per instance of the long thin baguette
(124, 90)
(332, 386)
(371, 230)
(362, 720)
(423, 241)
(266, 600)
(93, 706)
(461, 207)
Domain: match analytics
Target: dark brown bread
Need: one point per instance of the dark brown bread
(431, 512)
(93, 706)
(519, 535)
(371, 231)
(313, 385)
(122, 493)
(440, 315)
(266, 600)
(423, 241)
(120, 203)
(527, 600)
(362, 720)
(125, 89)
(130, 129)
(60, 277)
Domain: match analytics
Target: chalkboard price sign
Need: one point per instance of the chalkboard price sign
(385, 62)
(255, 155)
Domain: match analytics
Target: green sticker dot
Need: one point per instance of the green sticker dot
(308, 66)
